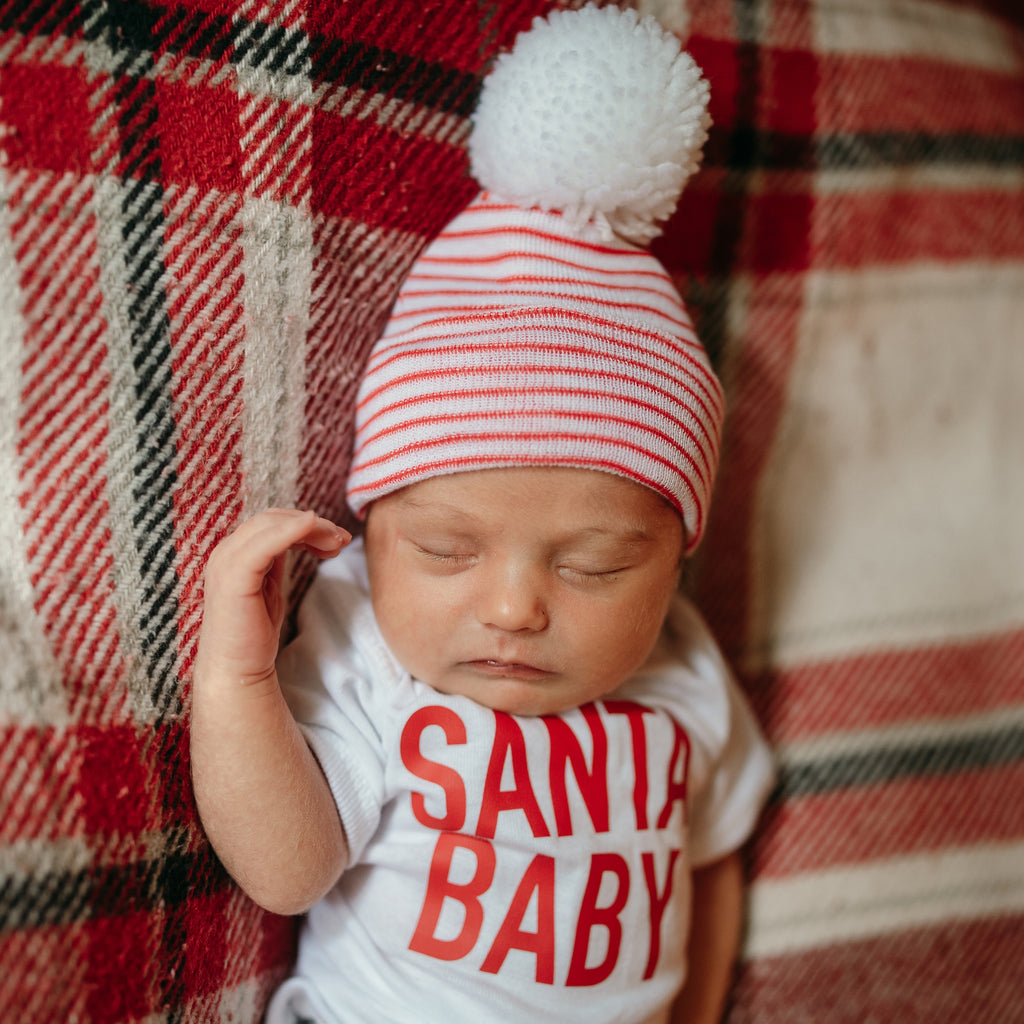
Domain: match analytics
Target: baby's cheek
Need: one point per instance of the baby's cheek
(422, 643)
(622, 645)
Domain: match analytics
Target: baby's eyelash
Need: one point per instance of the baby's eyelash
(443, 556)
(594, 574)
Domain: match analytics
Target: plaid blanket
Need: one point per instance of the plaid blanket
(206, 207)
(858, 247)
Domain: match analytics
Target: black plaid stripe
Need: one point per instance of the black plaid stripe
(135, 30)
(878, 763)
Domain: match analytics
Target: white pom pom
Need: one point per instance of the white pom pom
(596, 113)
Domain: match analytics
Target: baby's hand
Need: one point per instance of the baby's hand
(244, 604)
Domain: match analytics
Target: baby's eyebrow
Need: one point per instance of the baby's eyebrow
(628, 534)
(441, 509)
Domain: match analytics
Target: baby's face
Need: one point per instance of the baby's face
(530, 591)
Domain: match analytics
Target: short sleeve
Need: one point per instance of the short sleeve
(724, 811)
(732, 769)
(334, 676)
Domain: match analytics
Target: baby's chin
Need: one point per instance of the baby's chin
(527, 699)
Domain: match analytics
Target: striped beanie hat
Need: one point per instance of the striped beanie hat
(536, 329)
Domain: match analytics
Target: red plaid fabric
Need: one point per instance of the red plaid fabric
(205, 210)
(853, 253)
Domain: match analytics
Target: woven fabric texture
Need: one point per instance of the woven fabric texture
(206, 209)
(857, 243)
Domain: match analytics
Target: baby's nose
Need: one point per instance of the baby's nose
(514, 601)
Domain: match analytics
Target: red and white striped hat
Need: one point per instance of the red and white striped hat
(531, 332)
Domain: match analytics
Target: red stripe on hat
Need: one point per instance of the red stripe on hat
(683, 346)
(485, 202)
(488, 202)
(403, 348)
(691, 351)
(568, 241)
(513, 279)
(573, 391)
(533, 257)
(714, 395)
(517, 435)
(589, 417)
(485, 308)
(703, 471)
(712, 440)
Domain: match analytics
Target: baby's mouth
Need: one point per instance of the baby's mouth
(508, 669)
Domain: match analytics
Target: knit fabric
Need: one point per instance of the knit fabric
(597, 113)
(205, 212)
(516, 342)
(859, 233)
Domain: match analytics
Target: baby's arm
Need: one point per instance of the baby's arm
(714, 941)
(262, 797)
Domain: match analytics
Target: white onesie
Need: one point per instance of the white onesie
(507, 868)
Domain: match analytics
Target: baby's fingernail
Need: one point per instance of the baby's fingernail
(337, 531)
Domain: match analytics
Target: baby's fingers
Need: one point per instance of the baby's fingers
(325, 539)
(243, 559)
